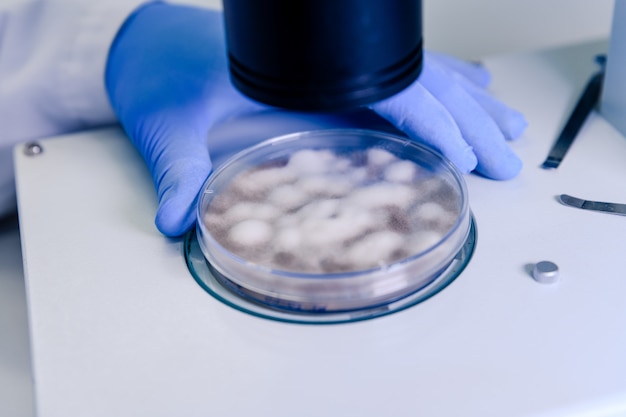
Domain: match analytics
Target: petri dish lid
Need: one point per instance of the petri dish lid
(332, 220)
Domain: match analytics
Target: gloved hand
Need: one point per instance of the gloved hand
(168, 83)
(449, 109)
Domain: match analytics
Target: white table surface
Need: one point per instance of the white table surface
(119, 327)
(16, 391)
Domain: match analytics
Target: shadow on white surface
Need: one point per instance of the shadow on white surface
(16, 388)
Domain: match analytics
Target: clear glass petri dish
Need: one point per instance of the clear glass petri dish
(332, 220)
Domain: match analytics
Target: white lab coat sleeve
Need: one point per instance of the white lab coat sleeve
(52, 59)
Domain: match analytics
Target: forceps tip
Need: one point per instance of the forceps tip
(550, 163)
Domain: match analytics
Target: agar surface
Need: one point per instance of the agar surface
(320, 212)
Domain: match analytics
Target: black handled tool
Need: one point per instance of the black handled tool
(586, 103)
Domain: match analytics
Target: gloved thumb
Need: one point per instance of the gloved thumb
(179, 161)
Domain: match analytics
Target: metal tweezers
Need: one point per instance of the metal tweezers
(586, 103)
(612, 208)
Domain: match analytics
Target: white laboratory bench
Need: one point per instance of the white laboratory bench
(120, 328)
(16, 389)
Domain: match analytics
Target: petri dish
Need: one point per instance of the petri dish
(330, 221)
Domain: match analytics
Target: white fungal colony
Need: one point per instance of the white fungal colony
(321, 212)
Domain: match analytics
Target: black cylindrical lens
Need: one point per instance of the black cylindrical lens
(323, 55)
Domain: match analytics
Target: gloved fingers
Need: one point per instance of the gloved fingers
(511, 122)
(179, 155)
(179, 162)
(178, 191)
(495, 159)
(475, 78)
(472, 72)
(423, 118)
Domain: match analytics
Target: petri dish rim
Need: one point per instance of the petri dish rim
(200, 271)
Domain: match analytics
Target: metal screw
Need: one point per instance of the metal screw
(32, 149)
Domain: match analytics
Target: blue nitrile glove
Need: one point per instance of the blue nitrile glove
(449, 109)
(168, 83)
